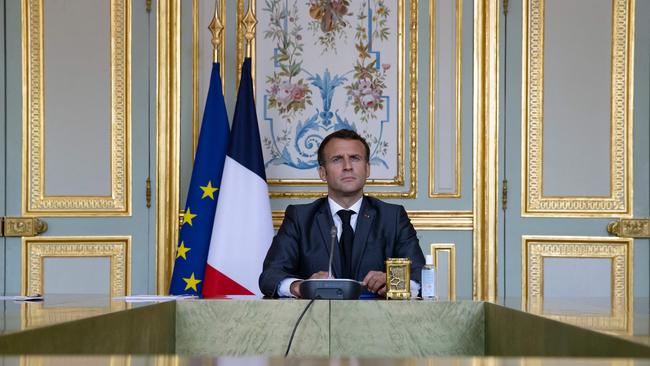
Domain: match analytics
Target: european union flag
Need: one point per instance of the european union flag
(243, 229)
(195, 234)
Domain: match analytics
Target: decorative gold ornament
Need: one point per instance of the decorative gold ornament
(216, 27)
(630, 228)
(22, 226)
(398, 278)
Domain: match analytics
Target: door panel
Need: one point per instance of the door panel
(78, 143)
(575, 129)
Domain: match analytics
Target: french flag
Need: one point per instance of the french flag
(242, 231)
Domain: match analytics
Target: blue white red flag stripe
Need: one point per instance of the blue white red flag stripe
(201, 203)
(243, 229)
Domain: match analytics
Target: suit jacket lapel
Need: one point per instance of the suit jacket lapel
(325, 223)
(364, 223)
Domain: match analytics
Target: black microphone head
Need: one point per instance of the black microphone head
(333, 230)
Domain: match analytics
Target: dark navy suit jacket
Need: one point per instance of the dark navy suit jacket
(302, 245)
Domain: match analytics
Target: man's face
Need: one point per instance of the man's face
(346, 168)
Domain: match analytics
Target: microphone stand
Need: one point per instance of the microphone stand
(332, 245)
(331, 288)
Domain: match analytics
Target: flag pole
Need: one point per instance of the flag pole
(216, 27)
(248, 23)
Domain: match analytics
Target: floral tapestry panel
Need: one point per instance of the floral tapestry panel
(321, 66)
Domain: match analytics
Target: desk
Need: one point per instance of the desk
(68, 325)
(308, 361)
(86, 324)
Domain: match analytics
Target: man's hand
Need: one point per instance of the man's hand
(295, 285)
(319, 275)
(295, 288)
(375, 282)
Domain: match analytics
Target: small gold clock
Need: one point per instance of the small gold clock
(398, 278)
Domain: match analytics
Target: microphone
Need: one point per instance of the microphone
(332, 245)
(331, 288)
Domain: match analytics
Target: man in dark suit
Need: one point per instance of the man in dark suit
(368, 230)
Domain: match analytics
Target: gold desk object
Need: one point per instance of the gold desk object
(398, 278)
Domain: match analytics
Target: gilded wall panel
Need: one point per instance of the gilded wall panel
(452, 100)
(618, 202)
(619, 250)
(450, 251)
(36, 249)
(35, 199)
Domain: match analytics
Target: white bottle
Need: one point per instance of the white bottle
(429, 279)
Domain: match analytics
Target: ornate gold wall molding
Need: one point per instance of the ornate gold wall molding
(619, 202)
(619, 250)
(36, 249)
(421, 220)
(441, 220)
(457, 98)
(35, 201)
(168, 142)
(486, 142)
(450, 249)
(411, 107)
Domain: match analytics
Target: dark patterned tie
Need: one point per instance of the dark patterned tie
(347, 238)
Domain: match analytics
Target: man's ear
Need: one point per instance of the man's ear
(368, 171)
(322, 173)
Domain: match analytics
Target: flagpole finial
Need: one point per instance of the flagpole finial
(248, 23)
(216, 27)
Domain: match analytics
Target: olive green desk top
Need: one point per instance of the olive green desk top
(365, 328)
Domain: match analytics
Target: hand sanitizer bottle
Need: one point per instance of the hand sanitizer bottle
(429, 279)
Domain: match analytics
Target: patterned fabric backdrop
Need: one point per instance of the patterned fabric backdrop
(324, 65)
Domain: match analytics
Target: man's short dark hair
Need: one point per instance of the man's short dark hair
(341, 134)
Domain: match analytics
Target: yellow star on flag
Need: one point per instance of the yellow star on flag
(208, 191)
(182, 250)
(188, 216)
(191, 283)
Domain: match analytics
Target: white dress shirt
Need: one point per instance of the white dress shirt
(284, 290)
(335, 208)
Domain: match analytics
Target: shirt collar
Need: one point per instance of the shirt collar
(335, 207)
